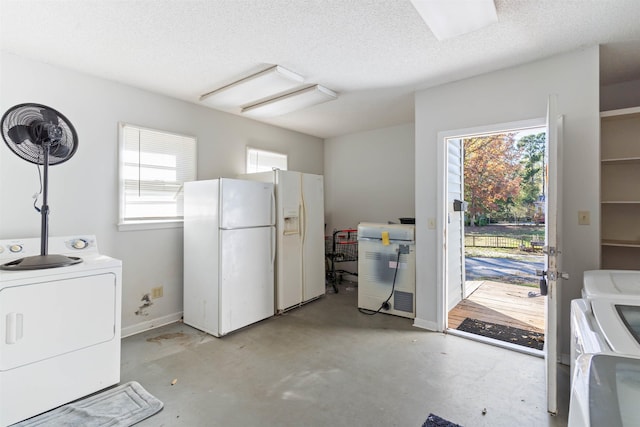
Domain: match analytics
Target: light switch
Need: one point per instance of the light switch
(431, 223)
(584, 218)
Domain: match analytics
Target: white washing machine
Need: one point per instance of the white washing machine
(600, 320)
(59, 327)
(618, 320)
(606, 323)
(586, 337)
(605, 392)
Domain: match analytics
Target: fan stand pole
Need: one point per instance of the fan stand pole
(44, 260)
(44, 210)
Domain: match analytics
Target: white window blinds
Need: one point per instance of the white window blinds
(263, 161)
(153, 167)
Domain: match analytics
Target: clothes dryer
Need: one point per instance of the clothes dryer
(59, 327)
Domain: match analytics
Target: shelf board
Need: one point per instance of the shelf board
(624, 243)
(622, 160)
(621, 112)
(620, 202)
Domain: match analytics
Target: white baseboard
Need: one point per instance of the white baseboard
(150, 324)
(425, 324)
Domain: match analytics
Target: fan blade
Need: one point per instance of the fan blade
(59, 150)
(49, 116)
(19, 133)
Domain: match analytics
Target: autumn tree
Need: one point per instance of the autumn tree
(491, 173)
(532, 147)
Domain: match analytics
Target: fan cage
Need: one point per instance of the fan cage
(33, 151)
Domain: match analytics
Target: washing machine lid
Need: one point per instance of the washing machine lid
(611, 283)
(614, 390)
(619, 322)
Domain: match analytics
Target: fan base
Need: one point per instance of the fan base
(39, 262)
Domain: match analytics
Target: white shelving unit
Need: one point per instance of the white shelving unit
(620, 189)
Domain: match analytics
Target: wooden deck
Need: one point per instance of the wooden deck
(503, 304)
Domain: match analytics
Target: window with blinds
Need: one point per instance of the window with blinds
(264, 161)
(153, 167)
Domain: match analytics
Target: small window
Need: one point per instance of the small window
(154, 165)
(264, 161)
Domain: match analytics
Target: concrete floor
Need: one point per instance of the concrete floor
(326, 364)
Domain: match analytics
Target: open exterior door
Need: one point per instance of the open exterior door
(552, 249)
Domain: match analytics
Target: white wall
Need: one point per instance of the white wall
(514, 94)
(369, 176)
(83, 191)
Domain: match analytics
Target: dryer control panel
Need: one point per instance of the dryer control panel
(11, 249)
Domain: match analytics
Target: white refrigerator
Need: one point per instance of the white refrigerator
(300, 272)
(229, 253)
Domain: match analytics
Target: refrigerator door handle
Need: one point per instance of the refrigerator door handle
(303, 222)
(273, 246)
(273, 207)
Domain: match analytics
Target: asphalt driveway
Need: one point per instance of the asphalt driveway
(504, 269)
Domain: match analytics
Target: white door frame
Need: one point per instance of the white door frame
(441, 202)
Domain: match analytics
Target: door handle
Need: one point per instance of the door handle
(13, 327)
(544, 288)
(274, 219)
(543, 274)
(301, 212)
(273, 247)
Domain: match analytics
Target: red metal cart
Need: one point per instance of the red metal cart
(342, 246)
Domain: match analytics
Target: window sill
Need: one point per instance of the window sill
(149, 225)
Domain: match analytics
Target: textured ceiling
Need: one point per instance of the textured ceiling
(374, 53)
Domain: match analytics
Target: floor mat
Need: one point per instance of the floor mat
(503, 333)
(436, 421)
(120, 406)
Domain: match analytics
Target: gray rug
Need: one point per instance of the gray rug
(120, 406)
(436, 421)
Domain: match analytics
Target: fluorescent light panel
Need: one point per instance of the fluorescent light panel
(291, 101)
(452, 18)
(272, 80)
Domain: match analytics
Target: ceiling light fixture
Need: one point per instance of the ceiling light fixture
(452, 18)
(290, 101)
(274, 79)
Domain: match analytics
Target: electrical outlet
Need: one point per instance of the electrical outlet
(584, 218)
(157, 292)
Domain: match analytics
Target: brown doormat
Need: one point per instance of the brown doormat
(503, 333)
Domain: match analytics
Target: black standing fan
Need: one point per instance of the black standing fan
(43, 136)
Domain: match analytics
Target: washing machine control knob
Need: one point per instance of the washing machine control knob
(15, 248)
(79, 244)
